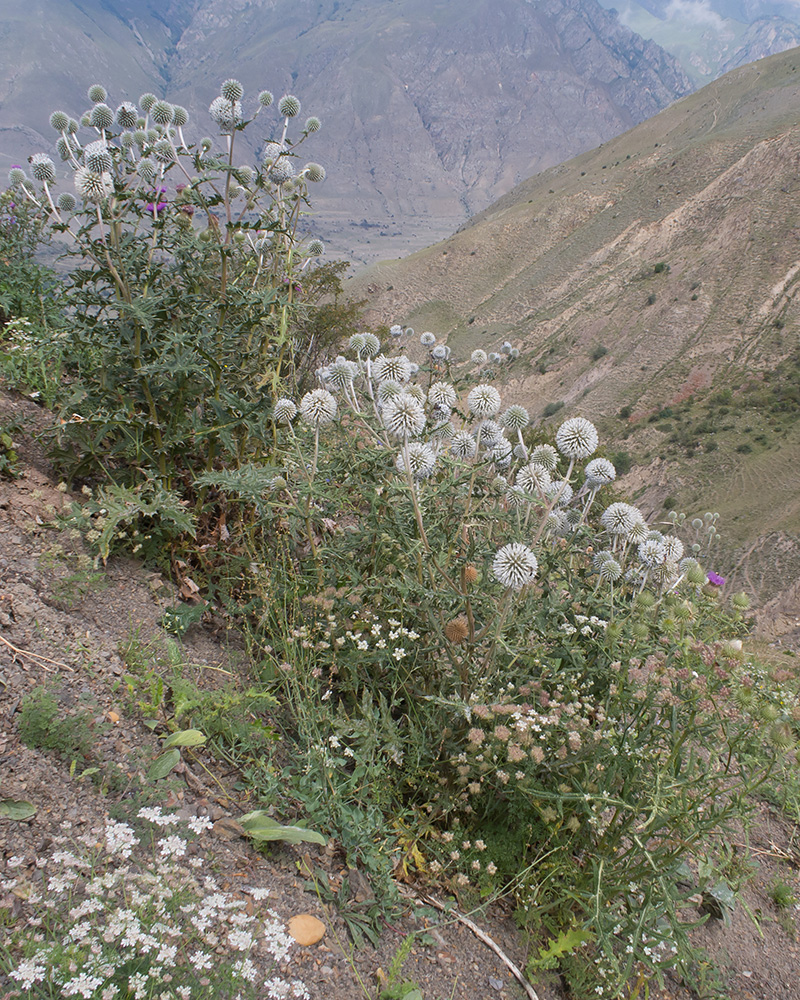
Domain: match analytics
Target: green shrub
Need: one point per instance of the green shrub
(553, 408)
(45, 725)
(599, 352)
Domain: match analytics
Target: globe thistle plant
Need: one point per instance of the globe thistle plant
(318, 408)
(484, 401)
(289, 106)
(403, 417)
(577, 438)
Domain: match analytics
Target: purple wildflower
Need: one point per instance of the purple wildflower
(716, 579)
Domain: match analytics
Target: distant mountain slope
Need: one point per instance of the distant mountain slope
(651, 274)
(431, 108)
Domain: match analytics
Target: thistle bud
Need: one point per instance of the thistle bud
(180, 116)
(316, 248)
(102, 116)
(265, 98)
(289, 106)
(314, 172)
(313, 124)
(43, 168)
(146, 102)
(97, 93)
(126, 115)
(59, 120)
(162, 113)
(232, 91)
(66, 202)
(16, 175)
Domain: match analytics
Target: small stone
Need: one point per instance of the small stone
(306, 929)
(113, 717)
(496, 984)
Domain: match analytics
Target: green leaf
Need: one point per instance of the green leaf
(567, 942)
(185, 738)
(259, 826)
(16, 809)
(163, 764)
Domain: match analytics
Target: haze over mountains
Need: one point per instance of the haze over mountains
(431, 109)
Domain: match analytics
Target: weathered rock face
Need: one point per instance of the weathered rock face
(431, 108)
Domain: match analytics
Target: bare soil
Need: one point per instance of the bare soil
(64, 628)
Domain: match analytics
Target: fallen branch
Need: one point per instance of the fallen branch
(42, 660)
(482, 936)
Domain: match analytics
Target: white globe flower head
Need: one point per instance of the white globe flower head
(421, 460)
(97, 156)
(674, 548)
(462, 445)
(318, 407)
(427, 339)
(600, 557)
(227, 114)
(533, 478)
(484, 401)
(396, 369)
(515, 566)
(559, 491)
(610, 570)
(490, 432)
(441, 353)
(442, 394)
(599, 472)
(479, 357)
(389, 390)
(372, 346)
(577, 438)
(556, 522)
(621, 519)
(395, 330)
(500, 453)
(356, 343)
(43, 168)
(403, 416)
(284, 411)
(652, 552)
(546, 455)
(91, 186)
(516, 418)
(341, 372)
(517, 498)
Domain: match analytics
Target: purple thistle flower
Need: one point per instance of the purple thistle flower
(715, 579)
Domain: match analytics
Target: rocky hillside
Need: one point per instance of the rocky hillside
(652, 284)
(430, 110)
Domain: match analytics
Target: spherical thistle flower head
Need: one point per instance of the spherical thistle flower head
(484, 401)
(244, 174)
(638, 532)
(372, 346)
(533, 478)
(600, 557)
(389, 390)
(140, 137)
(97, 156)
(315, 248)
(610, 570)
(500, 453)
(560, 491)
(313, 124)
(341, 373)
(289, 106)
(507, 347)
(180, 116)
(225, 114)
(232, 91)
(652, 552)
(284, 411)
(489, 432)
(479, 357)
(620, 518)
(273, 151)
(127, 115)
(442, 393)
(517, 498)
(146, 168)
(318, 407)
(102, 116)
(97, 93)
(314, 172)
(395, 330)
(516, 417)
(515, 566)
(427, 339)
(462, 445)
(494, 357)
(417, 392)
(16, 175)
(281, 171)
(163, 151)
(126, 140)
(66, 202)
(515, 352)
(403, 416)
(421, 460)
(43, 168)
(444, 431)
(546, 455)
(674, 548)
(91, 186)
(441, 353)
(162, 113)
(59, 120)
(556, 523)
(573, 517)
(356, 342)
(396, 369)
(599, 472)
(577, 438)
(265, 98)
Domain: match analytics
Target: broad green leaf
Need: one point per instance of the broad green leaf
(185, 738)
(259, 826)
(163, 764)
(15, 809)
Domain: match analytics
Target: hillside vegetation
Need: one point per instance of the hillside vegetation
(648, 273)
